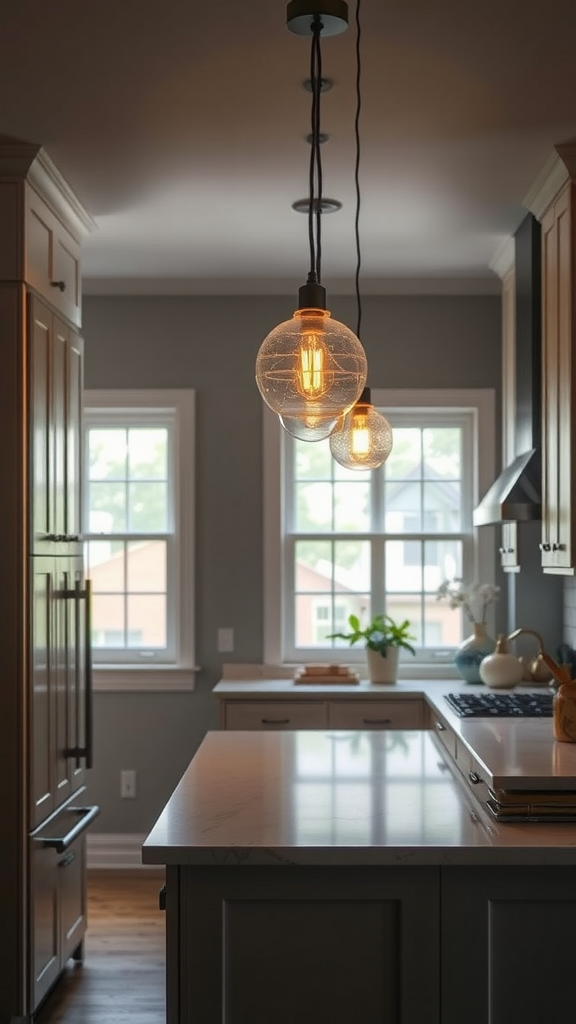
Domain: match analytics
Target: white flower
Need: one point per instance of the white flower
(473, 598)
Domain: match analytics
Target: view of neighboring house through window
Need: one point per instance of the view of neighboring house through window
(136, 553)
(368, 542)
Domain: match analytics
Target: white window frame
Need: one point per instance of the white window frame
(108, 407)
(480, 404)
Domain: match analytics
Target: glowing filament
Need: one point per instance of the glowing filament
(311, 376)
(360, 434)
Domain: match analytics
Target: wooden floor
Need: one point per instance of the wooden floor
(122, 979)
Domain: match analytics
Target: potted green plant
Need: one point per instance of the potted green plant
(382, 638)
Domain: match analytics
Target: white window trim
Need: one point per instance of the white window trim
(181, 675)
(482, 403)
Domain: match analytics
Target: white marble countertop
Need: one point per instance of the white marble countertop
(514, 753)
(337, 797)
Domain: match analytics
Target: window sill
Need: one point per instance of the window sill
(114, 679)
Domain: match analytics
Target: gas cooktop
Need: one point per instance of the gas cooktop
(501, 705)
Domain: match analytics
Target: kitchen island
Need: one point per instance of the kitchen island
(347, 875)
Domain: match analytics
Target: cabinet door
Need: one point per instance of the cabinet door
(375, 714)
(508, 939)
(72, 896)
(55, 430)
(73, 455)
(52, 258)
(306, 945)
(43, 695)
(57, 710)
(275, 714)
(557, 370)
(57, 911)
(41, 431)
(44, 921)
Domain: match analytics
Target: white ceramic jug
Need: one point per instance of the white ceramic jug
(501, 670)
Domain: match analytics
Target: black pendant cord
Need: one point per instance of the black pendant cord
(315, 175)
(357, 171)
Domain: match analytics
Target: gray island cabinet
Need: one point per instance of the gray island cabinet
(338, 876)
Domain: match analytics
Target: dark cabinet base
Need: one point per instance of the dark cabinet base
(388, 945)
(303, 944)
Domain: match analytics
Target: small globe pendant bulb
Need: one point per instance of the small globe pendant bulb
(362, 440)
(311, 367)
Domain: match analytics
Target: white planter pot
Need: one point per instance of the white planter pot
(382, 670)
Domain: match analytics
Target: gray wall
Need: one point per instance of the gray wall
(210, 344)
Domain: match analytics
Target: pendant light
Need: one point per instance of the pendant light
(362, 439)
(311, 369)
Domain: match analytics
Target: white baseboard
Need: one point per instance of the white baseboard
(115, 850)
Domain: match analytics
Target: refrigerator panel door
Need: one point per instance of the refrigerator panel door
(43, 695)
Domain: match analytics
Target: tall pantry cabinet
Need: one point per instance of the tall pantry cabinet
(45, 722)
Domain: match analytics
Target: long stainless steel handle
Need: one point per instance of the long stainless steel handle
(274, 721)
(61, 843)
(87, 750)
(88, 709)
(376, 721)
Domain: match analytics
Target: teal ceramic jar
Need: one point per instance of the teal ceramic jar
(471, 652)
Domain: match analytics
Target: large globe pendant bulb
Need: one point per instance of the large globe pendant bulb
(311, 367)
(362, 440)
(310, 428)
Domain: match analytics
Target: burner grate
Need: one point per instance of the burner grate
(501, 705)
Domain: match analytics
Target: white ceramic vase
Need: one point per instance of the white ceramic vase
(380, 669)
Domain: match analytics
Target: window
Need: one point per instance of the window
(340, 542)
(138, 533)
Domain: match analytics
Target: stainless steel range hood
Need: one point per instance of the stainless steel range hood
(516, 495)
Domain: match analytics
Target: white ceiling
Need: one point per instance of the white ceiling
(181, 128)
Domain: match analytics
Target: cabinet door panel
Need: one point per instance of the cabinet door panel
(52, 258)
(45, 925)
(72, 892)
(42, 718)
(73, 482)
(498, 924)
(40, 321)
(60, 339)
(375, 714)
(563, 553)
(281, 945)
(276, 714)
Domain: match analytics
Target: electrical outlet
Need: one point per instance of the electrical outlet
(128, 784)
(225, 640)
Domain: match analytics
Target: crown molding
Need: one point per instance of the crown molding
(504, 258)
(30, 162)
(548, 183)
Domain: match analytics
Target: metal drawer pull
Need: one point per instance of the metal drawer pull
(544, 547)
(376, 721)
(474, 778)
(440, 727)
(61, 843)
(61, 285)
(274, 721)
(558, 547)
(68, 859)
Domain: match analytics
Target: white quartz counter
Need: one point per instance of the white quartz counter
(514, 753)
(336, 797)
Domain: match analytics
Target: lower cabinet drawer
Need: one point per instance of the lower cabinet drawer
(275, 714)
(376, 714)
